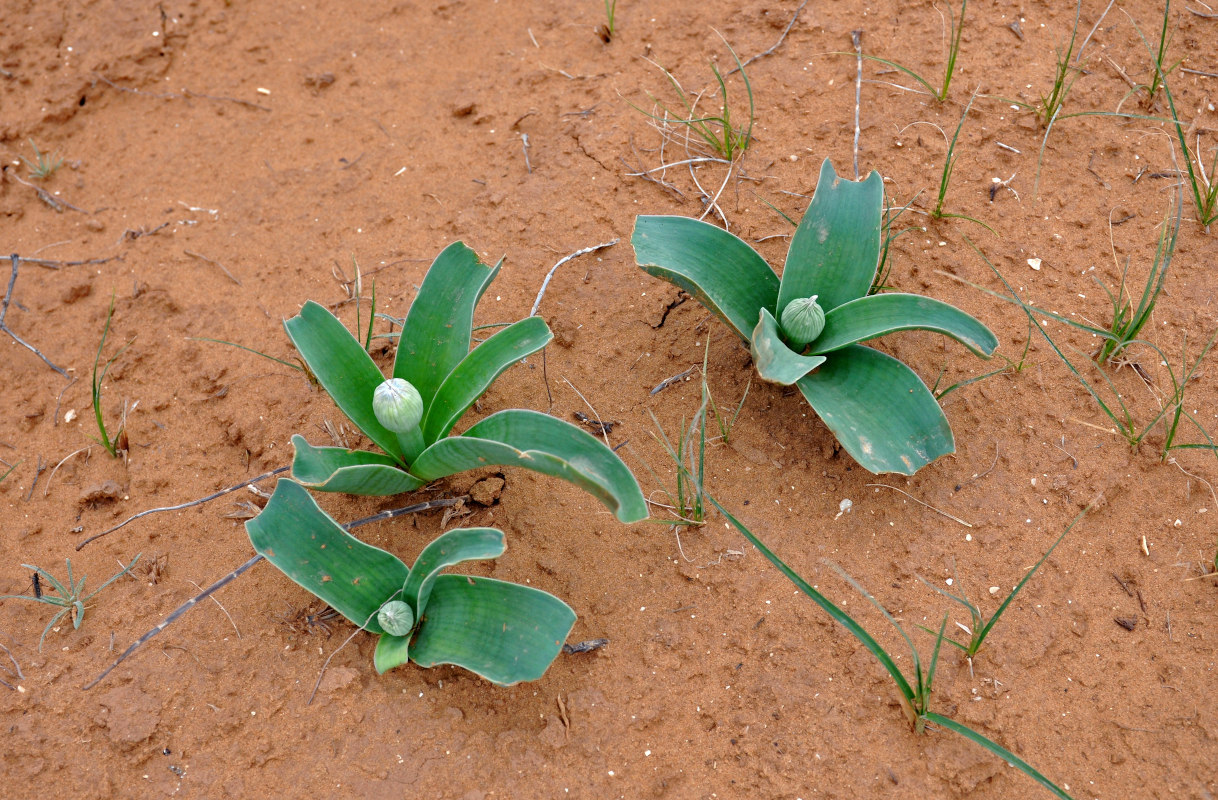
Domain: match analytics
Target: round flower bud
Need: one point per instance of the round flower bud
(397, 405)
(396, 618)
(802, 321)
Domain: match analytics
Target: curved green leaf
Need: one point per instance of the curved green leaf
(881, 314)
(303, 541)
(478, 370)
(343, 368)
(391, 651)
(720, 270)
(539, 442)
(448, 549)
(337, 469)
(835, 250)
(879, 410)
(775, 361)
(997, 749)
(436, 334)
(504, 632)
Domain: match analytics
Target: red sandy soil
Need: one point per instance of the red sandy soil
(224, 161)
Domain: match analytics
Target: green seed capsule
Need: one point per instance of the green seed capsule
(398, 405)
(396, 618)
(802, 321)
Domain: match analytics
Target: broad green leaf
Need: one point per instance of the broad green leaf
(449, 549)
(998, 750)
(775, 361)
(504, 632)
(539, 442)
(337, 469)
(879, 410)
(308, 546)
(436, 334)
(391, 651)
(478, 370)
(881, 314)
(835, 250)
(344, 369)
(718, 269)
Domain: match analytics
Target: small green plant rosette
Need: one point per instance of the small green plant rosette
(878, 408)
(505, 632)
(435, 358)
(802, 321)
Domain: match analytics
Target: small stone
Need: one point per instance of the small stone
(104, 492)
(487, 490)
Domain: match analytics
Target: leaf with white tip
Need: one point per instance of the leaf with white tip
(835, 251)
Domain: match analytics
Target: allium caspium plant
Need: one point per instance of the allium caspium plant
(806, 328)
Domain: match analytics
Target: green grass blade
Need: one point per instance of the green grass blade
(10, 470)
(998, 750)
(825, 603)
(985, 631)
(288, 364)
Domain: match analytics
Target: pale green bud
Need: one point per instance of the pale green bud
(396, 618)
(802, 321)
(397, 405)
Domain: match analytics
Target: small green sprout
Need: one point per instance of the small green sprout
(43, 166)
(70, 598)
(719, 132)
(117, 443)
(915, 696)
(878, 408)
(979, 627)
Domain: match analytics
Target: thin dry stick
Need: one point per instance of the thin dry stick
(330, 657)
(857, 38)
(47, 487)
(545, 283)
(599, 423)
(777, 44)
(222, 608)
(200, 501)
(56, 203)
(1198, 477)
(919, 502)
(59, 400)
(20, 675)
(202, 257)
(8, 296)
